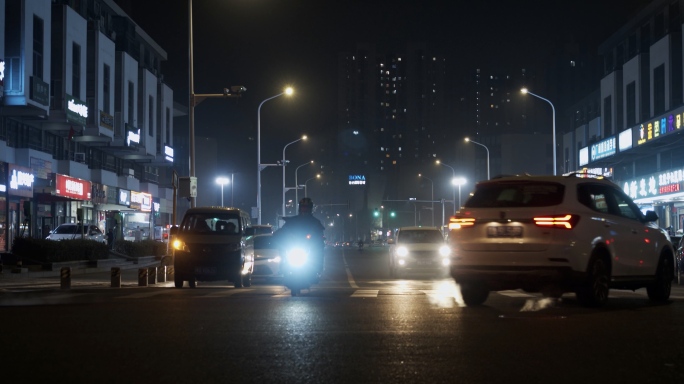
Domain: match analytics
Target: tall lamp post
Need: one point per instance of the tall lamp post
(432, 197)
(288, 91)
(453, 177)
(284, 164)
(296, 184)
(553, 111)
(222, 181)
(195, 99)
(459, 181)
(485, 147)
(306, 194)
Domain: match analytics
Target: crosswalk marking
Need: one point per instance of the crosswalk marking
(365, 293)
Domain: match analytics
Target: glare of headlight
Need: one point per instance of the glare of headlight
(179, 245)
(402, 262)
(445, 262)
(297, 257)
(402, 251)
(274, 260)
(444, 250)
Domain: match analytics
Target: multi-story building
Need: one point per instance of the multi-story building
(86, 120)
(630, 128)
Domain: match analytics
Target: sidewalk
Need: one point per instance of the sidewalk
(29, 275)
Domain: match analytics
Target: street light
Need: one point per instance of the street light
(296, 184)
(288, 91)
(459, 181)
(553, 110)
(432, 198)
(453, 176)
(284, 164)
(222, 181)
(306, 194)
(485, 147)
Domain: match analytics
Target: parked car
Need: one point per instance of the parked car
(266, 257)
(679, 258)
(557, 234)
(418, 249)
(71, 231)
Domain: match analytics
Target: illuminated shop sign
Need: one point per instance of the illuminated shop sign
(132, 137)
(357, 180)
(654, 185)
(654, 129)
(595, 172)
(583, 156)
(168, 153)
(20, 180)
(72, 187)
(77, 110)
(625, 140)
(106, 120)
(124, 197)
(144, 200)
(3, 188)
(602, 149)
(2, 76)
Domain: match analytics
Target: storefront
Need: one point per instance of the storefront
(66, 199)
(19, 187)
(3, 207)
(129, 216)
(662, 192)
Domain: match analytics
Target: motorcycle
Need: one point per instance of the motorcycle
(299, 265)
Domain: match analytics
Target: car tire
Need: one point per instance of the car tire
(178, 281)
(662, 286)
(247, 280)
(594, 292)
(237, 280)
(474, 294)
(192, 283)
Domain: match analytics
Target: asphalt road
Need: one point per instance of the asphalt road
(356, 326)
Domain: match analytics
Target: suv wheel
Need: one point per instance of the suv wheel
(237, 280)
(178, 281)
(661, 287)
(192, 283)
(474, 294)
(594, 292)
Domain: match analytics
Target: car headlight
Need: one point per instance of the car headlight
(444, 250)
(446, 262)
(180, 245)
(402, 251)
(297, 257)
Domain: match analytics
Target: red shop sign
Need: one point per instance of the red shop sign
(72, 187)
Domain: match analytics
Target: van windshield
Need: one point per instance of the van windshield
(211, 224)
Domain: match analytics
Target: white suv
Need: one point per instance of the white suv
(557, 234)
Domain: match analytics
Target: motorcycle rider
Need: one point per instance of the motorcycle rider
(305, 224)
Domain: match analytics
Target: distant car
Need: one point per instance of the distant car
(418, 249)
(266, 257)
(557, 234)
(259, 229)
(72, 231)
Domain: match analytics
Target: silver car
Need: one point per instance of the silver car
(72, 231)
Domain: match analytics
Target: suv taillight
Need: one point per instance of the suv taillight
(557, 221)
(461, 222)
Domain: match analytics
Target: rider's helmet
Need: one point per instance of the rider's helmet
(306, 206)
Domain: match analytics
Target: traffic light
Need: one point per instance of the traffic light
(393, 214)
(376, 213)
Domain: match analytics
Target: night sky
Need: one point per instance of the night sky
(266, 45)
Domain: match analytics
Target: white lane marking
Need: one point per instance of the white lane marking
(365, 293)
(144, 294)
(514, 294)
(350, 278)
(227, 292)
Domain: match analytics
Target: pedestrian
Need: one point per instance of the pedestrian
(110, 238)
(138, 234)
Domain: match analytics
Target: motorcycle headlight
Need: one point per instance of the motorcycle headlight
(444, 250)
(297, 257)
(402, 251)
(446, 262)
(180, 245)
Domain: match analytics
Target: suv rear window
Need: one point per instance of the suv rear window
(516, 194)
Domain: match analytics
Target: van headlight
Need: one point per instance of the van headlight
(402, 251)
(444, 250)
(180, 245)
